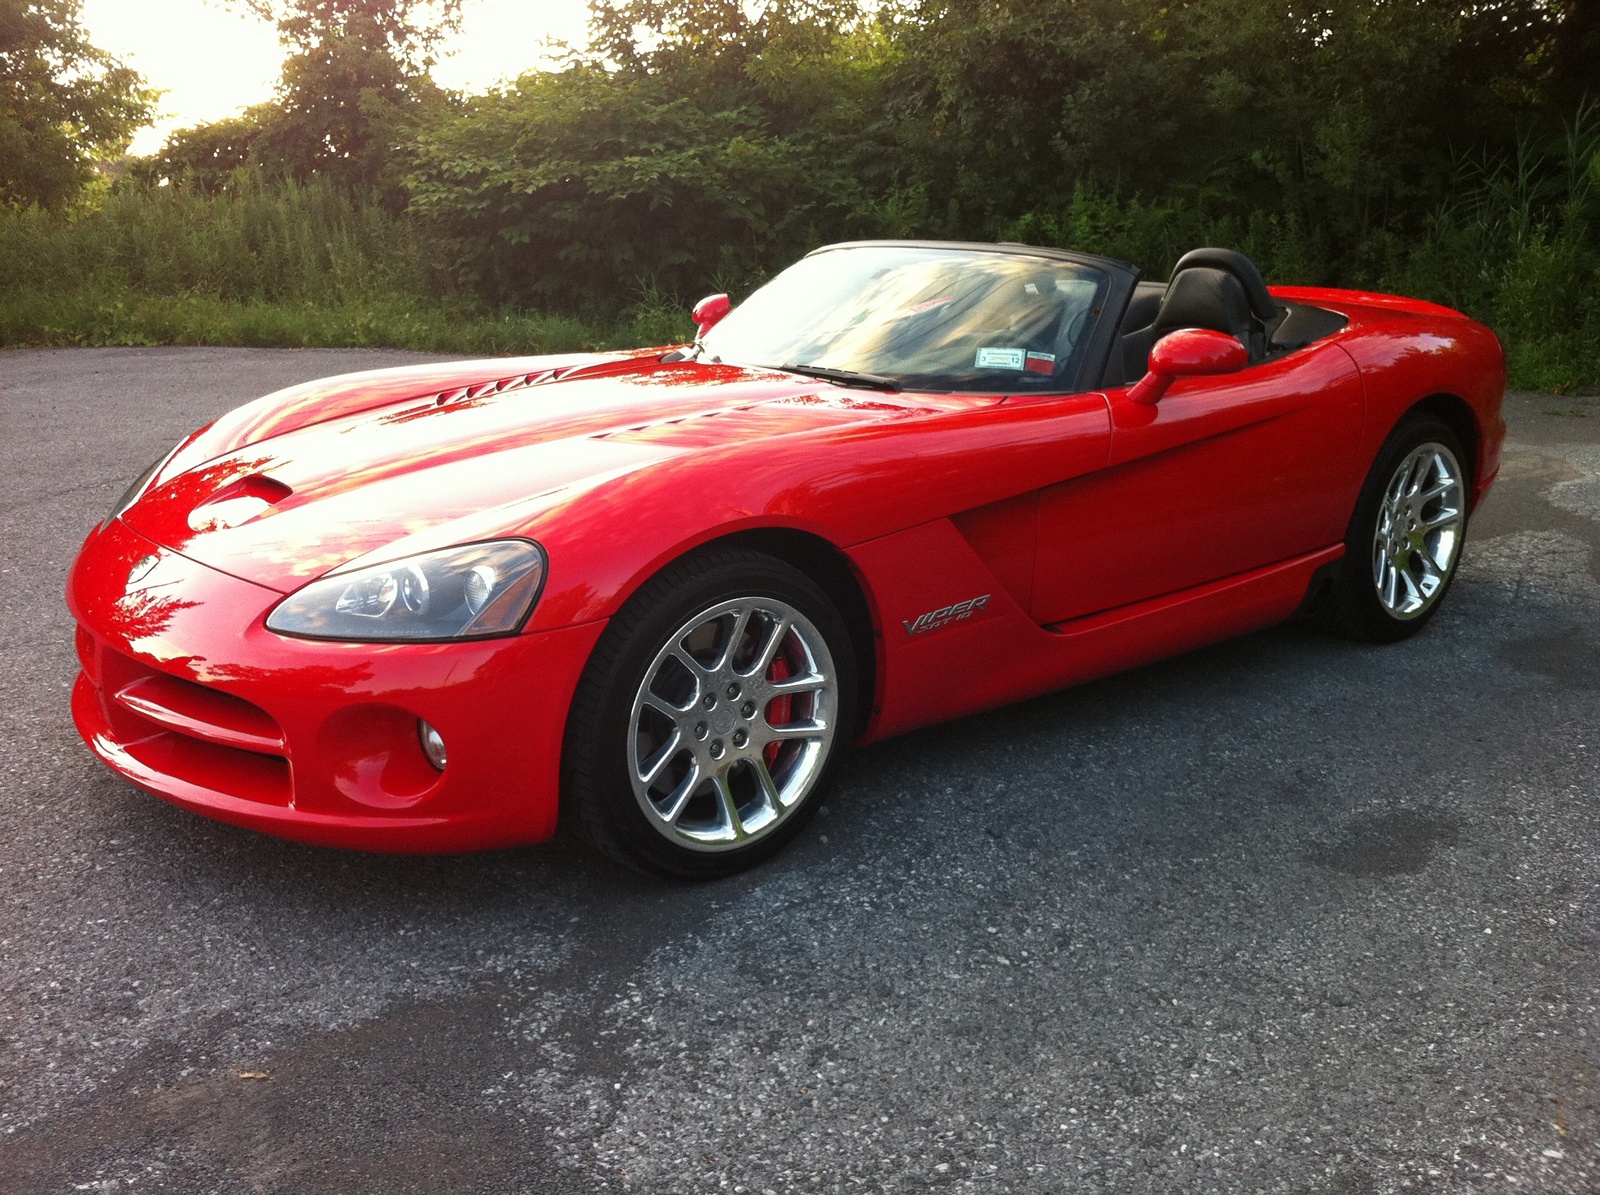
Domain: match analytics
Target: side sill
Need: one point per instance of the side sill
(1104, 620)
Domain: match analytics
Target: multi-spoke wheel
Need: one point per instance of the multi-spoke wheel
(1405, 538)
(732, 723)
(709, 716)
(1418, 536)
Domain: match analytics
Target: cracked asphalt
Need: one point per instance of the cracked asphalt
(1284, 915)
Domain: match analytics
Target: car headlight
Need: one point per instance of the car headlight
(468, 592)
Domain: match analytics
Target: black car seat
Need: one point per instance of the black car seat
(1205, 298)
(1136, 335)
(1220, 289)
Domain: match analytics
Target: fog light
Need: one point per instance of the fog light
(432, 744)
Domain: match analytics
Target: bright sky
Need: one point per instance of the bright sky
(212, 62)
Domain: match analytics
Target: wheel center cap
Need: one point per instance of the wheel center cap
(723, 719)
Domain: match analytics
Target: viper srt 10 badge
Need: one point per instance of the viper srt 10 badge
(945, 615)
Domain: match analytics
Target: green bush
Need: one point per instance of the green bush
(580, 187)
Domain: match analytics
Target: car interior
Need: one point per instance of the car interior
(1220, 289)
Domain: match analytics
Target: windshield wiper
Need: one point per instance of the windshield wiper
(846, 377)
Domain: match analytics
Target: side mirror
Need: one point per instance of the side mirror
(1188, 353)
(708, 312)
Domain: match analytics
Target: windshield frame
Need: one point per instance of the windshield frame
(1098, 342)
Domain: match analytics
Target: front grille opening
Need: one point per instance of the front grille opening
(226, 770)
(195, 734)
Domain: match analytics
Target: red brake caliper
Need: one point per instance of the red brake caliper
(780, 710)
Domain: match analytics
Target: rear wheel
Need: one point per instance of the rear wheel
(1405, 538)
(711, 715)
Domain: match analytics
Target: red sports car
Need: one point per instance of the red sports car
(426, 609)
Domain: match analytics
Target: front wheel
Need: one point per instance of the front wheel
(1405, 539)
(710, 717)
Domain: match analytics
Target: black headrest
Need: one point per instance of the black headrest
(1204, 298)
(1241, 267)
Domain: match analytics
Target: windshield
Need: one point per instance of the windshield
(930, 319)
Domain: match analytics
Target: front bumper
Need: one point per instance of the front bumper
(187, 694)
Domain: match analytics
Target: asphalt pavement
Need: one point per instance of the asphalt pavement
(1288, 914)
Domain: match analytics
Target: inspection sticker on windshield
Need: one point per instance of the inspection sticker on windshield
(1041, 363)
(1001, 359)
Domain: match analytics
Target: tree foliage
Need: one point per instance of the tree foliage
(727, 142)
(408, 31)
(1575, 52)
(1439, 146)
(1346, 113)
(64, 104)
(707, 141)
(353, 88)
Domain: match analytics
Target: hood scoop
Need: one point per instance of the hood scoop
(238, 502)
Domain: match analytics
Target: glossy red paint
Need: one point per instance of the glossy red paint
(619, 464)
(1188, 353)
(708, 312)
(1409, 351)
(187, 694)
(1222, 476)
(1001, 654)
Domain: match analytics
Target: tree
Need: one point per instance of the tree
(1341, 119)
(207, 156)
(353, 89)
(698, 146)
(345, 107)
(1576, 57)
(64, 104)
(407, 31)
(663, 34)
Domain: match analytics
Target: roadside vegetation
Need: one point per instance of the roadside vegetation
(1448, 151)
(267, 264)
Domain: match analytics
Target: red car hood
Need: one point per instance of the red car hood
(303, 496)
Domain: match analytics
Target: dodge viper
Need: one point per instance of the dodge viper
(661, 592)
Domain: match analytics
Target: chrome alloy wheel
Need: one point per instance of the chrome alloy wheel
(1418, 536)
(732, 724)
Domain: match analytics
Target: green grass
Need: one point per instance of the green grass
(95, 318)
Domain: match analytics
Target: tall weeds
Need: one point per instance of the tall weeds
(1517, 247)
(252, 241)
(265, 263)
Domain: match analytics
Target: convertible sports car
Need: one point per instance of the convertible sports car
(426, 609)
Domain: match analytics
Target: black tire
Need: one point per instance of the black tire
(1356, 607)
(598, 789)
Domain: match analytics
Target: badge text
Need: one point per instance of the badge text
(945, 615)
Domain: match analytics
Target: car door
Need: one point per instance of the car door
(1222, 475)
